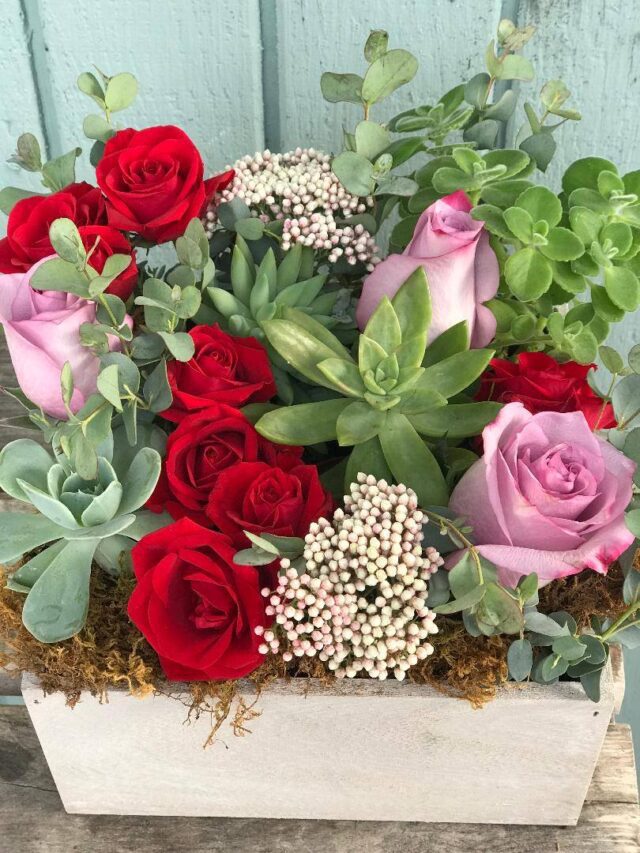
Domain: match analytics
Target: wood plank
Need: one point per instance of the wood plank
(19, 108)
(198, 65)
(609, 821)
(448, 39)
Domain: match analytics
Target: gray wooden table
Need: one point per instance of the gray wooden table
(32, 819)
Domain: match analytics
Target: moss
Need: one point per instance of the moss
(111, 653)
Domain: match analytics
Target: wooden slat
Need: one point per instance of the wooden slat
(313, 36)
(32, 818)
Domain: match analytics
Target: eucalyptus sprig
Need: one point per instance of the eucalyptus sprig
(111, 94)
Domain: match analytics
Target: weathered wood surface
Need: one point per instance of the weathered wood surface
(32, 819)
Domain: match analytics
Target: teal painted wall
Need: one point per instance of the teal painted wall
(239, 75)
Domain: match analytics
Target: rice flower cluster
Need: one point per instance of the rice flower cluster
(360, 603)
(300, 189)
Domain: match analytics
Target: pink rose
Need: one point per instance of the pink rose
(42, 330)
(548, 496)
(461, 268)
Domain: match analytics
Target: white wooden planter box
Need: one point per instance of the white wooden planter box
(356, 751)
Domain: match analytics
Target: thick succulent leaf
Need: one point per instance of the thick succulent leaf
(343, 375)
(454, 374)
(243, 273)
(24, 578)
(455, 339)
(109, 528)
(411, 462)
(300, 348)
(419, 399)
(370, 354)
(50, 507)
(260, 296)
(56, 608)
(412, 304)
(21, 532)
(228, 304)
(147, 522)
(141, 480)
(367, 458)
(458, 420)
(383, 326)
(358, 423)
(269, 268)
(104, 506)
(308, 423)
(109, 552)
(26, 460)
(317, 330)
(289, 269)
(302, 293)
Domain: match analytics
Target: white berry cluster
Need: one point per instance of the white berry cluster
(361, 603)
(299, 188)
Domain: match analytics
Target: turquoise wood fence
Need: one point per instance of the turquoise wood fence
(241, 75)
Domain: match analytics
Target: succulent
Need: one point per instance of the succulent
(362, 591)
(85, 520)
(392, 396)
(261, 292)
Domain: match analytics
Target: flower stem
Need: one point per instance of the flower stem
(468, 544)
(619, 622)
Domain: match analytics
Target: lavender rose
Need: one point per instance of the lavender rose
(42, 330)
(548, 496)
(461, 268)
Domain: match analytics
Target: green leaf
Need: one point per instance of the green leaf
(541, 203)
(317, 330)
(24, 578)
(453, 340)
(470, 599)
(343, 376)
(121, 92)
(354, 172)
(57, 274)
(156, 390)
(10, 196)
(97, 127)
(23, 459)
(540, 147)
(179, 344)
(304, 424)
(251, 228)
(591, 683)
(108, 386)
(341, 87)
(457, 420)
(140, 480)
(371, 139)
(453, 375)
(383, 327)
(366, 458)
(376, 45)
(60, 172)
(570, 648)
(300, 349)
(611, 359)
(411, 461)
(562, 245)
(545, 625)
(358, 423)
(520, 659)
(475, 91)
(21, 532)
(519, 223)
(88, 83)
(56, 608)
(412, 307)
(584, 173)
(528, 274)
(387, 73)
(623, 287)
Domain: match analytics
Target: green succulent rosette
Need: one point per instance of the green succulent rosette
(78, 521)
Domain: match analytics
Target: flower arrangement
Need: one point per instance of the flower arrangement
(299, 454)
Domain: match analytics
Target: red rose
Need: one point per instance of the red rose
(261, 498)
(224, 369)
(27, 239)
(542, 384)
(203, 446)
(107, 241)
(196, 607)
(153, 182)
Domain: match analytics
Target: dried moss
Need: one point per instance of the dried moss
(111, 653)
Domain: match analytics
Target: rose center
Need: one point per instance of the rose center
(207, 616)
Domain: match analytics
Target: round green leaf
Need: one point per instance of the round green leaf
(387, 73)
(121, 92)
(528, 274)
(562, 245)
(354, 172)
(541, 203)
(623, 287)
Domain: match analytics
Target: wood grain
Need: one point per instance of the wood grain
(32, 817)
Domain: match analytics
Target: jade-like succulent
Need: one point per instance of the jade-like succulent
(392, 396)
(85, 520)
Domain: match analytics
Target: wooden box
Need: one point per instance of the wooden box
(361, 750)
